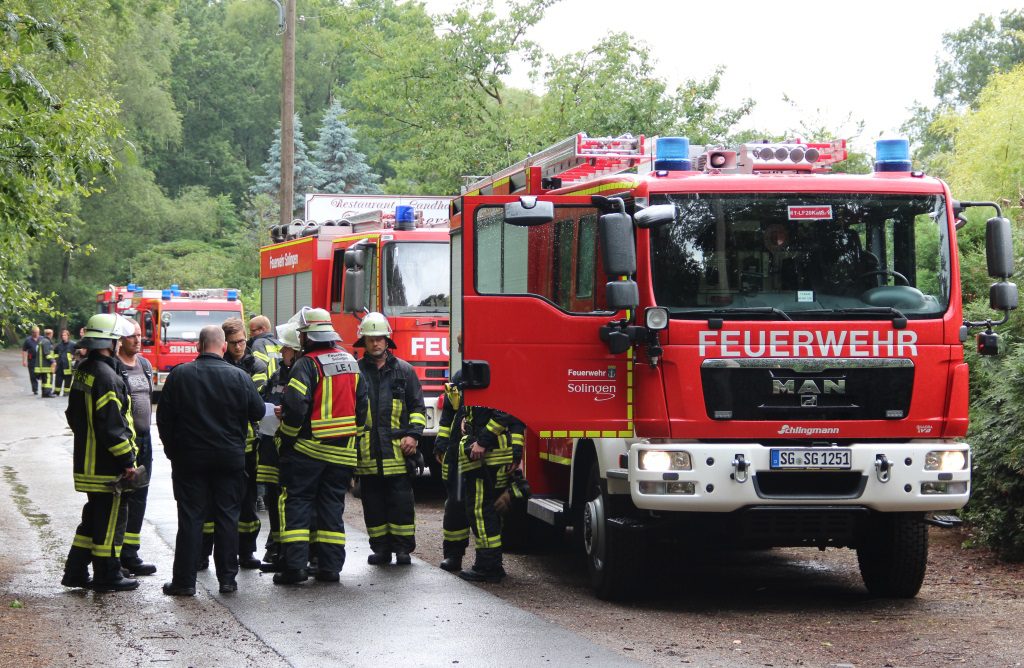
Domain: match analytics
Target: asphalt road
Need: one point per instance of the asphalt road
(416, 615)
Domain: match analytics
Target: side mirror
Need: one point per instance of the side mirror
(355, 288)
(355, 258)
(528, 212)
(1002, 296)
(165, 319)
(617, 246)
(999, 247)
(622, 295)
(655, 216)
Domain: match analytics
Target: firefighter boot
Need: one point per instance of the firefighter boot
(452, 561)
(291, 577)
(379, 559)
(136, 566)
(76, 568)
(109, 577)
(487, 567)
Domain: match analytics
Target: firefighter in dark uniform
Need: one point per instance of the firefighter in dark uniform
(100, 416)
(266, 348)
(267, 470)
(65, 351)
(28, 357)
(323, 411)
(45, 364)
(248, 521)
(393, 428)
(491, 447)
(455, 524)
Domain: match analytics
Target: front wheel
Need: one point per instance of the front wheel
(613, 557)
(893, 554)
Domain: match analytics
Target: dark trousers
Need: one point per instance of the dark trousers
(62, 380)
(312, 494)
(389, 511)
(136, 505)
(248, 522)
(101, 531)
(45, 381)
(200, 492)
(32, 376)
(268, 474)
(480, 493)
(455, 523)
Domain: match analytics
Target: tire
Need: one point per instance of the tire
(612, 556)
(893, 554)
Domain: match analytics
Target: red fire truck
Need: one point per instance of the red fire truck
(729, 344)
(359, 253)
(170, 319)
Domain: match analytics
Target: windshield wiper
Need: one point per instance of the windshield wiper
(890, 311)
(748, 310)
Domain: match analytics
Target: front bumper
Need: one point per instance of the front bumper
(887, 477)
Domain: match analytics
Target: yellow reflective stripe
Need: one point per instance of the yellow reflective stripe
(402, 529)
(208, 527)
(106, 399)
(122, 448)
(249, 527)
(132, 539)
(517, 439)
(332, 537)
(377, 531)
(444, 432)
(295, 536)
(257, 377)
(289, 430)
(453, 536)
(344, 455)
(82, 541)
(417, 418)
(556, 459)
(495, 427)
(297, 385)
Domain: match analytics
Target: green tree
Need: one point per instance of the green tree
(343, 168)
(54, 138)
(307, 176)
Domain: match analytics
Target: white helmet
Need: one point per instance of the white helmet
(374, 324)
(288, 334)
(104, 329)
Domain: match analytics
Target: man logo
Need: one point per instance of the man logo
(809, 386)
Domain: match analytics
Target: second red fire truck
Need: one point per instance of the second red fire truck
(725, 344)
(359, 253)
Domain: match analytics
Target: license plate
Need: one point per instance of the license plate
(808, 458)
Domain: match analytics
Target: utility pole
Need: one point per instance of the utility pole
(288, 114)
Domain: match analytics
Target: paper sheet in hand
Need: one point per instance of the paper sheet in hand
(269, 423)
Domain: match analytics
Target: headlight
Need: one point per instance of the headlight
(660, 460)
(945, 460)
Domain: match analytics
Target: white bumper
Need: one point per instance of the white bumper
(719, 486)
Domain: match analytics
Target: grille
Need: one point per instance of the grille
(809, 484)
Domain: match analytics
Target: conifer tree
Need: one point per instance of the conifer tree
(342, 166)
(307, 176)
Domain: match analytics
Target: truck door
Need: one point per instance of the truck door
(529, 303)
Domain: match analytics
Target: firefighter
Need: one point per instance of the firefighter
(266, 348)
(267, 470)
(45, 364)
(491, 447)
(455, 524)
(28, 357)
(138, 374)
(394, 425)
(249, 525)
(100, 416)
(65, 351)
(323, 409)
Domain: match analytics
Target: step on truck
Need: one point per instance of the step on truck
(725, 344)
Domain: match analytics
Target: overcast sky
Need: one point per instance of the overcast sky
(836, 60)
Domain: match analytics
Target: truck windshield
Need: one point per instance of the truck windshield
(185, 325)
(802, 256)
(416, 278)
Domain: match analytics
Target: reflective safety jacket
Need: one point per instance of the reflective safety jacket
(65, 352)
(44, 355)
(396, 411)
(266, 349)
(324, 406)
(100, 415)
(499, 433)
(257, 370)
(449, 426)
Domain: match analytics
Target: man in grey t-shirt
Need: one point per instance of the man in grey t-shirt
(139, 375)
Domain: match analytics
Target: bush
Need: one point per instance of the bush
(996, 508)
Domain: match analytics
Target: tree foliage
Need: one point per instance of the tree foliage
(342, 167)
(307, 176)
